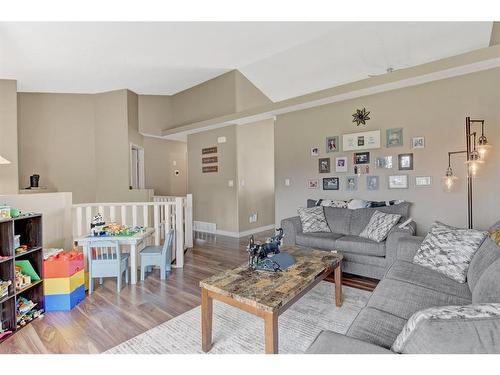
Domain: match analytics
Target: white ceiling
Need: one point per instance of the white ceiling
(283, 59)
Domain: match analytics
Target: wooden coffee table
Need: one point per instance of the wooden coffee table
(268, 295)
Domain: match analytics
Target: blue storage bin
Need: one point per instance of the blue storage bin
(64, 302)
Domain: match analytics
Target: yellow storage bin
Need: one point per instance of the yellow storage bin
(64, 285)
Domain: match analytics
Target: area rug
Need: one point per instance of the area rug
(238, 332)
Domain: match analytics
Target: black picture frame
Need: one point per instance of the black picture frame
(331, 183)
(405, 162)
(324, 165)
(361, 158)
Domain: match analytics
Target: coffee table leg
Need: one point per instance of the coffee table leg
(271, 332)
(338, 285)
(206, 320)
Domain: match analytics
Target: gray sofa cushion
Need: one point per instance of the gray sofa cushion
(452, 329)
(321, 241)
(376, 327)
(361, 217)
(328, 342)
(407, 247)
(486, 255)
(339, 219)
(487, 289)
(313, 220)
(403, 299)
(360, 245)
(424, 277)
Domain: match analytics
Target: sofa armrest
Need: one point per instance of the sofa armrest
(452, 330)
(395, 235)
(291, 227)
(407, 247)
(328, 342)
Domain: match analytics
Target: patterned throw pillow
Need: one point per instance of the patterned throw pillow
(479, 311)
(379, 226)
(495, 236)
(449, 250)
(332, 203)
(313, 220)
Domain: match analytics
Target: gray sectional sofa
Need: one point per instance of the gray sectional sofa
(407, 288)
(362, 256)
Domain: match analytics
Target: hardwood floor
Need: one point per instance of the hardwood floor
(106, 319)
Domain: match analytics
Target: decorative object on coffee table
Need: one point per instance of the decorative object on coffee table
(268, 295)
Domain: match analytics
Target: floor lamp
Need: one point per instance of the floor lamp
(476, 149)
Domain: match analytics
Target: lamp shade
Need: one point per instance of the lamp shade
(3, 160)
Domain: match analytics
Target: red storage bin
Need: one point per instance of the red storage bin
(63, 264)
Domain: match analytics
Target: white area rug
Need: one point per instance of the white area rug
(238, 332)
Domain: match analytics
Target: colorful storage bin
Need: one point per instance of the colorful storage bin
(63, 265)
(64, 285)
(64, 302)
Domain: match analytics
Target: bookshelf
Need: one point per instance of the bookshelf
(29, 230)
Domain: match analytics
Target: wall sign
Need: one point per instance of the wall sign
(361, 141)
(209, 150)
(210, 169)
(209, 160)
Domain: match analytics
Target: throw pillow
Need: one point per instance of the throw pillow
(313, 220)
(449, 250)
(495, 236)
(354, 204)
(468, 312)
(379, 226)
(332, 203)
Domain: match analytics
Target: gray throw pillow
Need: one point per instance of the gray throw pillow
(379, 226)
(313, 220)
(449, 250)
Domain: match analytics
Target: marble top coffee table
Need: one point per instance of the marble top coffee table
(268, 294)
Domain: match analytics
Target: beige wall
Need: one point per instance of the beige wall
(155, 113)
(57, 141)
(160, 156)
(8, 137)
(247, 94)
(436, 111)
(495, 34)
(213, 200)
(255, 153)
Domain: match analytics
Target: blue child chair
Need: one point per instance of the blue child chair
(106, 260)
(158, 256)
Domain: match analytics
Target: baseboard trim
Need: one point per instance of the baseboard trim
(244, 233)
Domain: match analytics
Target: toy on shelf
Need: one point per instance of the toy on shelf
(96, 225)
(26, 312)
(4, 212)
(21, 249)
(4, 288)
(22, 280)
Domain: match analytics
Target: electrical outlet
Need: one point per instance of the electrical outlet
(287, 182)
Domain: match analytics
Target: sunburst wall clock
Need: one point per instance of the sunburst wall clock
(361, 116)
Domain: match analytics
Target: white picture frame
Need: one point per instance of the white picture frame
(372, 183)
(313, 183)
(341, 164)
(315, 151)
(384, 162)
(399, 181)
(423, 181)
(418, 142)
(361, 141)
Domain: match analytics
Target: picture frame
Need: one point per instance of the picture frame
(398, 181)
(423, 181)
(361, 169)
(369, 140)
(324, 165)
(341, 164)
(394, 137)
(361, 158)
(352, 183)
(331, 183)
(405, 162)
(372, 183)
(332, 144)
(418, 142)
(384, 162)
(315, 151)
(313, 184)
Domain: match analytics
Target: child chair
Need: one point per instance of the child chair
(106, 260)
(158, 256)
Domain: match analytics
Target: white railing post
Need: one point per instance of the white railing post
(189, 220)
(156, 223)
(179, 233)
(145, 216)
(79, 214)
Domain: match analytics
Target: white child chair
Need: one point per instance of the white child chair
(106, 260)
(158, 256)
